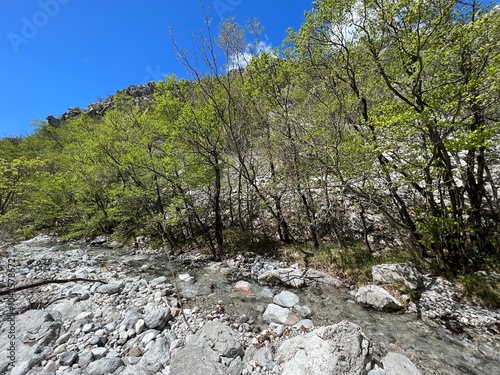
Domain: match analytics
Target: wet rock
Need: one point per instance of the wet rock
(338, 349)
(286, 299)
(280, 315)
(378, 298)
(405, 273)
(454, 326)
(398, 364)
(244, 287)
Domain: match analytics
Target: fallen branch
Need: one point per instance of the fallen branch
(45, 282)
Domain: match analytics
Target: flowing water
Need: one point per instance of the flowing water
(430, 346)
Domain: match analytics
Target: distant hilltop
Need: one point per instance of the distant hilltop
(138, 93)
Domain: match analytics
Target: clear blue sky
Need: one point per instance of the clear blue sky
(56, 54)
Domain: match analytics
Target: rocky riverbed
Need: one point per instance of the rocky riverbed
(156, 314)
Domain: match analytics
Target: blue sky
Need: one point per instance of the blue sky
(56, 54)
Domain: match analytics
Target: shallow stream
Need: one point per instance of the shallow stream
(433, 348)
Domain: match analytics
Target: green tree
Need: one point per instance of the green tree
(417, 73)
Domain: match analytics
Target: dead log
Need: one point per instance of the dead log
(4, 292)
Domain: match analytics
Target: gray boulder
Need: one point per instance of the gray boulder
(104, 366)
(36, 332)
(196, 360)
(398, 364)
(158, 281)
(130, 318)
(292, 277)
(158, 353)
(68, 310)
(405, 273)
(136, 370)
(263, 357)
(286, 299)
(109, 289)
(157, 318)
(280, 315)
(220, 338)
(203, 353)
(67, 359)
(338, 349)
(378, 298)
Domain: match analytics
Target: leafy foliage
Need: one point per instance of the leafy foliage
(376, 123)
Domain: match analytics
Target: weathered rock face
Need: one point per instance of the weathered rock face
(338, 349)
(138, 93)
(405, 273)
(378, 298)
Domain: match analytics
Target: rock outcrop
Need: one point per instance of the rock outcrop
(138, 94)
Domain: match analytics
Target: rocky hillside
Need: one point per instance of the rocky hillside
(139, 93)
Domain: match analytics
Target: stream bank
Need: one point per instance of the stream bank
(136, 319)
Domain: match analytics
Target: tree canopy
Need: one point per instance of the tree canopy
(377, 122)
